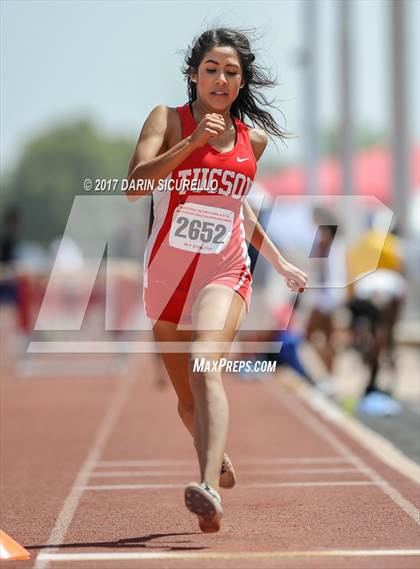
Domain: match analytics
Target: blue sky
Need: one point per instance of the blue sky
(114, 61)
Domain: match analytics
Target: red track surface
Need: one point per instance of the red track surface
(58, 432)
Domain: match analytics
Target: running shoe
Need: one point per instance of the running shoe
(203, 501)
(227, 473)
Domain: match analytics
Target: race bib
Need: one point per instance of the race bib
(201, 228)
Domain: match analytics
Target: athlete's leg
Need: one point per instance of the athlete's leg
(217, 314)
(177, 365)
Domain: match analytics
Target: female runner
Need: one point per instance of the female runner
(197, 284)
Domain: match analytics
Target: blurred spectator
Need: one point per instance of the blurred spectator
(9, 235)
(292, 353)
(375, 303)
(8, 254)
(14, 288)
(374, 250)
(291, 341)
(68, 255)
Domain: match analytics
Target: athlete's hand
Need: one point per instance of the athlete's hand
(295, 279)
(209, 128)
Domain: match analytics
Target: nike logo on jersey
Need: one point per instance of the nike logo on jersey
(242, 159)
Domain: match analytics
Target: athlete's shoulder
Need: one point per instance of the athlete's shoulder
(258, 139)
(157, 120)
(173, 115)
(174, 129)
(161, 114)
(166, 120)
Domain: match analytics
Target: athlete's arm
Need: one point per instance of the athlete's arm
(295, 278)
(150, 161)
(255, 234)
(155, 156)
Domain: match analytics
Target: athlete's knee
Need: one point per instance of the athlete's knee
(205, 374)
(203, 350)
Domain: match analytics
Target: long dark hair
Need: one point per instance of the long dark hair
(255, 77)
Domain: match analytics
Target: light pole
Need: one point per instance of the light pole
(399, 104)
(310, 93)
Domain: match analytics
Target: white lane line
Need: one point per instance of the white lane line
(139, 473)
(299, 410)
(130, 486)
(256, 485)
(139, 555)
(311, 484)
(374, 442)
(258, 461)
(141, 463)
(116, 404)
(151, 473)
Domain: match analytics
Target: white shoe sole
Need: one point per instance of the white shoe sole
(207, 508)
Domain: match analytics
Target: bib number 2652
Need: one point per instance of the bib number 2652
(201, 228)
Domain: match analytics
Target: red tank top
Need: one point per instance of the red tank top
(201, 215)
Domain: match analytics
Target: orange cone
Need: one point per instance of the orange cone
(10, 549)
